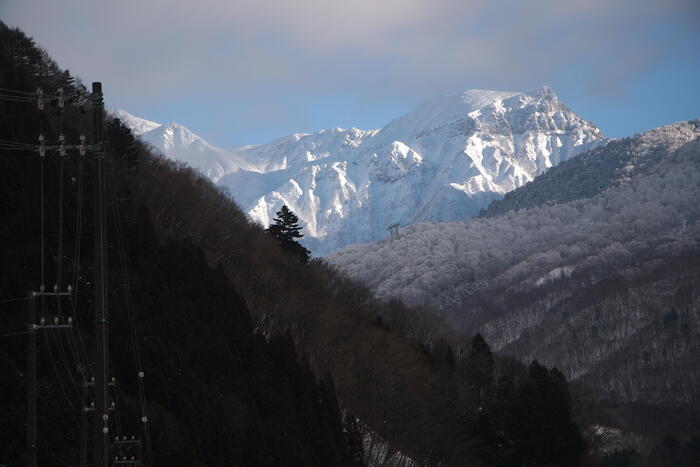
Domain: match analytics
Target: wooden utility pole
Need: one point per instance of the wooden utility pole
(31, 383)
(83, 424)
(32, 329)
(101, 407)
(84, 410)
(102, 436)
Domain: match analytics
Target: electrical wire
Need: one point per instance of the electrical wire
(19, 92)
(13, 149)
(74, 351)
(76, 260)
(111, 189)
(16, 99)
(7, 300)
(41, 164)
(15, 143)
(59, 254)
(65, 360)
(58, 378)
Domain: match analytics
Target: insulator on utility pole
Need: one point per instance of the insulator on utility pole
(42, 148)
(81, 99)
(61, 151)
(40, 98)
(81, 148)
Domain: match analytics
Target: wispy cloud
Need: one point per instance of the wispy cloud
(156, 49)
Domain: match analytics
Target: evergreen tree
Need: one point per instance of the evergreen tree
(287, 231)
(540, 425)
(479, 366)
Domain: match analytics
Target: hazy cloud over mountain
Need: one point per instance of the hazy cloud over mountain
(265, 57)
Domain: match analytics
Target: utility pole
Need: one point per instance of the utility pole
(83, 424)
(31, 384)
(130, 450)
(32, 329)
(102, 437)
(84, 410)
(101, 407)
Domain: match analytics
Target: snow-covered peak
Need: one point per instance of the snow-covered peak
(495, 112)
(442, 112)
(301, 148)
(179, 143)
(442, 161)
(173, 135)
(137, 125)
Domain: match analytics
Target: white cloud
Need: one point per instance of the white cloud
(155, 49)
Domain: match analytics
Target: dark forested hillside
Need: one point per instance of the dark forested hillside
(251, 357)
(218, 393)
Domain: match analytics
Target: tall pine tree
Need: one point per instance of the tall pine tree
(286, 230)
(479, 367)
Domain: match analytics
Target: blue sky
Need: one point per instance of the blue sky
(243, 72)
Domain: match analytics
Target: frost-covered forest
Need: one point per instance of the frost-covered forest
(602, 287)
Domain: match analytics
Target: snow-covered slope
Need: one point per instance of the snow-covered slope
(178, 143)
(443, 161)
(137, 125)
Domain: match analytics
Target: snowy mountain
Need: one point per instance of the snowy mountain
(137, 125)
(179, 143)
(443, 161)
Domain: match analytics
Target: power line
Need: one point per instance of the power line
(71, 355)
(7, 300)
(111, 188)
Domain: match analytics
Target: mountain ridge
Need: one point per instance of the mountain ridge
(444, 160)
(609, 165)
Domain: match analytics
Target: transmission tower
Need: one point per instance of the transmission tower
(393, 230)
